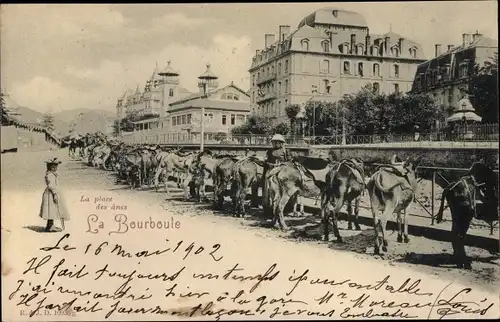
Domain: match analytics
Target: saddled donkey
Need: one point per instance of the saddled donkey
(304, 175)
(344, 184)
(172, 161)
(246, 174)
(392, 189)
(473, 196)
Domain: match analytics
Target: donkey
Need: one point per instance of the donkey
(170, 162)
(290, 178)
(392, 189)
(222, 175)
(246, 173)
(344, 184)
(473, 196)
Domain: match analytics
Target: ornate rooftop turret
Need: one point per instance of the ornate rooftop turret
(209, 79)
(169, 75)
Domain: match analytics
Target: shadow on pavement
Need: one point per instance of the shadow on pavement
(442, 259)
(38, 229)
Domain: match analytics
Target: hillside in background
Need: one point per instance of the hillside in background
(85, 120)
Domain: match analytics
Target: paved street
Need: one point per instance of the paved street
(245, 241)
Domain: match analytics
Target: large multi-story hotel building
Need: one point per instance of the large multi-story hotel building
(331, 53)
(161, 89)
(446, 76)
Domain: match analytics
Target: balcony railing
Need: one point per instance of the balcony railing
(266, 78)
(267, 97)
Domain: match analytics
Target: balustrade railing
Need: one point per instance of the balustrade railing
(483, 135)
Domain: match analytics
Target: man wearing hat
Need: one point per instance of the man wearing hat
(53, 206)
(277, 154)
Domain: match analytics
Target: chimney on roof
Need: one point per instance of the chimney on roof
(450, 47)
(386, 45)
(367, 44)
(476, 36)
(257, 52)
(437, 50)
(284, 32)
(466, 39)
(269, 40)
(353, 44)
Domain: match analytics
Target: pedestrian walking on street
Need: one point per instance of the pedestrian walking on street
(53, 205)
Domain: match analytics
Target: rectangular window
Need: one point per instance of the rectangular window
(396, 71)
(360, 69)
(174, 121)
(233, 118)
(327, 86)
(347, 68)
(240, 118)
(189, 119)
(224, 119)
(396, 88)
(184, 119)
(286, 66)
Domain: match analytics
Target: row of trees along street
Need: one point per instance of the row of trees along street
(367, 112)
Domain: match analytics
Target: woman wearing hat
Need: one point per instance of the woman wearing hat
(53, 206)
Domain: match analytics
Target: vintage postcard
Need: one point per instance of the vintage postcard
(249, 161)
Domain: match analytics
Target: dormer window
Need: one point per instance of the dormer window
(344, 48)
(326, 46)
(375, 51)
(395, 51)
(463, 71)
(413, 52)
(359, 49)
(305, 44)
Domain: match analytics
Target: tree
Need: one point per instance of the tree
(281, 128)
(322, 118)
(483, 90)
(255, 124)
(126, 124)
(367, 113)
(48, 121)
(292, 111)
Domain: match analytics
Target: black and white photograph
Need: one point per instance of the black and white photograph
(250, 161)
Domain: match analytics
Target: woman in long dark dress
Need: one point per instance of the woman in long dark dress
(53, 205)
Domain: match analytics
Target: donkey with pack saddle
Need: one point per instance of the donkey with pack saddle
(345, 183)
(473, 196)
(392, 189)
(303, 176)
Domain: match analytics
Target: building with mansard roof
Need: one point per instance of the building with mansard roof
(160, 89)
(331, 53)
(446, 76)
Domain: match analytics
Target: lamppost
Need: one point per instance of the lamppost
(314, 91)
(205, 79)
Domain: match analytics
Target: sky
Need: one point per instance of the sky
(61, 57)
